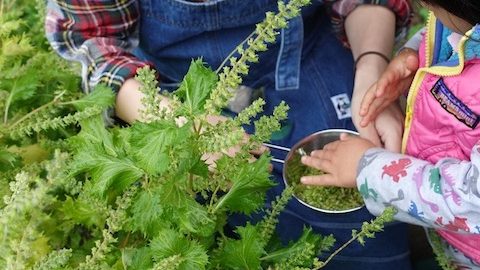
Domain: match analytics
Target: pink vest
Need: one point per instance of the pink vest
(441, 120)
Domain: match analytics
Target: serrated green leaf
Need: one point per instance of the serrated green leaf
(250, 182)
(170, 242)
(194, 218)
(196, 87)
(189, 215)
(299, 246)
(101, 96)
(200, 168)
(8, 160)
(7, 27)
(151, 142)
(137, 259)
(20, 88)
(107, 172)
(94, 136)
(189, 159)
(146, 213)
(244, 253)
(16, 46)
(98, 156)
(84, 212)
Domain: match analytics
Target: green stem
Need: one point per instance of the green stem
(275, 254)
(222, 201)
(196, 129)
(190, 185)
(125, 241)
(214, 196)
(337, 251)
(7, 104)
(55, 99)
(25, 230)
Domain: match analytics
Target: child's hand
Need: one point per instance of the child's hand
(339, 160)
(396, 79)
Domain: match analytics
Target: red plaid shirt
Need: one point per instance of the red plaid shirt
(101, 34)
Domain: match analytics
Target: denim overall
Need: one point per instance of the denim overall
(308, 68)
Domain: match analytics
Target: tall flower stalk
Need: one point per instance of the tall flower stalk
(265, 32)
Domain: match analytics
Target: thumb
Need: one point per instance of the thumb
(345, 136)
(412, 63)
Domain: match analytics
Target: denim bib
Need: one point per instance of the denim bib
(172, 32)
(307, 67)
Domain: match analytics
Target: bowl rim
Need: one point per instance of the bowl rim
(292, 151)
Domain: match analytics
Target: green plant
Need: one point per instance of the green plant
(438, 248)
(136, 197)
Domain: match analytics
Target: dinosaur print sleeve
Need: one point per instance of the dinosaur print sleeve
(444, 195)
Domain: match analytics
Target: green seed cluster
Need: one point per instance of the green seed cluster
(328, 198)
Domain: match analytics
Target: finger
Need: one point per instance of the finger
(331, 146)
(259, 150)
(210, 159)
(367, 101)
(232, 151)
(319, 180)
(386, 81)
(412, 63)
(377, 107)
(317, 153)
(322, 154)
(325, 165)
(345, 136)
(382, 85)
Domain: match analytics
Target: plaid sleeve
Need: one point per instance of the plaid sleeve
(97, 33)
(341, 8)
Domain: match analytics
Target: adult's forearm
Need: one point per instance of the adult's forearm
(369, 28)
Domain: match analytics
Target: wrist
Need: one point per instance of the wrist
(371, 61)
(406, 50)
(367, 158)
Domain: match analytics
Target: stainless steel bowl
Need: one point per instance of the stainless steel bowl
(312, 142)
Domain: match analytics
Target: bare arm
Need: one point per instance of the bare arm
(369, 28)
(372, 28)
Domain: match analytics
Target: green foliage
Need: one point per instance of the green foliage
(298, 253)
(56, 260)
(196, 87)
(250, 181)
(145, 196)
(369, 229)
(153, 142)
(189, 254)
(438, 247)
(8, 160)
(244, 253)
(265, 32)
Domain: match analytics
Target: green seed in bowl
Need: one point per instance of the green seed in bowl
(328, 198)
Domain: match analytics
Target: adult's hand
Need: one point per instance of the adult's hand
(396, 79)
